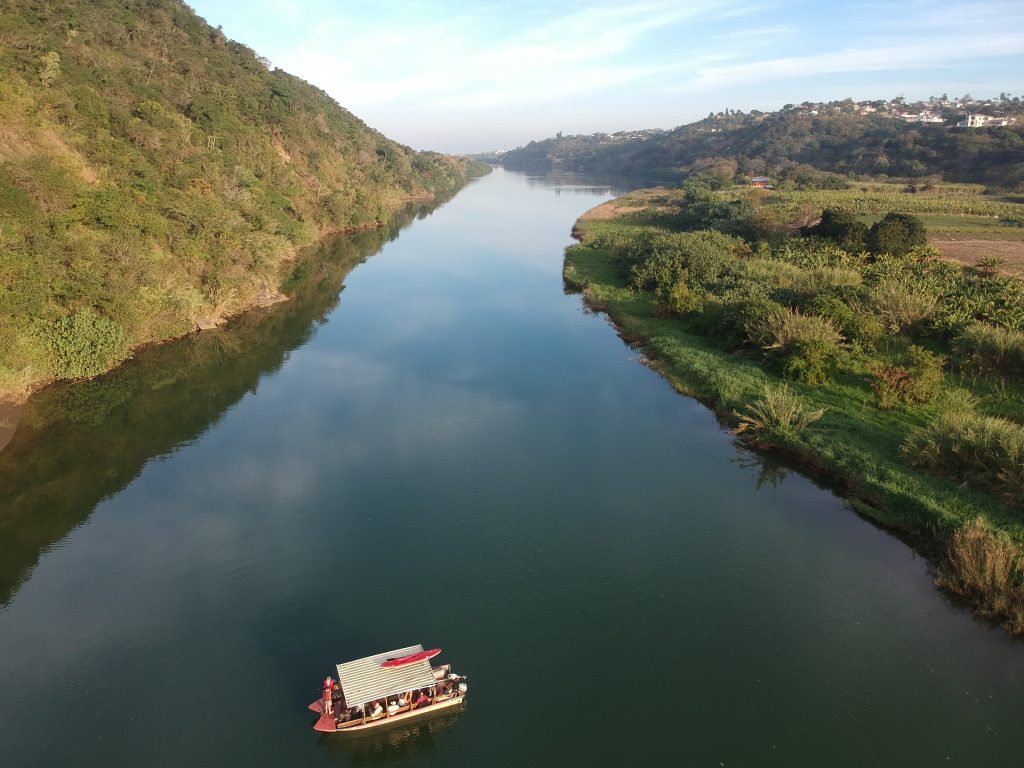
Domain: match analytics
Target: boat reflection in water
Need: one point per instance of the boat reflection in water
(417, 738)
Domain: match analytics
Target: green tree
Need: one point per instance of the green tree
(897, 234)
(841, 226)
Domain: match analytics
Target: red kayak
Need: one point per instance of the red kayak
(421, 656)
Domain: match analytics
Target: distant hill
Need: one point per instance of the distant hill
(859, 139)
(153, 172)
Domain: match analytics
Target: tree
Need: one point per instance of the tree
(841, 226)
(897, 234)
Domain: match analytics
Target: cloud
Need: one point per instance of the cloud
(748, 34)
(911, 55)
(454, 63)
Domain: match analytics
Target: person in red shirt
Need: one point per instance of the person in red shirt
(328, 688)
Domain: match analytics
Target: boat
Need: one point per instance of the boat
(374, 692)
(403, 660)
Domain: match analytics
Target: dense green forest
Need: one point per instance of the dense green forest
(153, 172)
(791, 143)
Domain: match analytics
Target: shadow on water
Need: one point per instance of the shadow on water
(77, 444)
(394, 744)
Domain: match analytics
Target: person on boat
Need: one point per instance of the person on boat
(377, 710)
(328, 690)
(422, 700)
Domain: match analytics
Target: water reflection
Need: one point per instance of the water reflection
(588, 184)
(77, 444)
(770, 472)
(393, 744)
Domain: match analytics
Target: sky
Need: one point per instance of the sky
(465, 77)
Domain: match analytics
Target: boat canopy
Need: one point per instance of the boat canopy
(364, 680)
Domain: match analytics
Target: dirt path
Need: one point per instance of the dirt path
(968, 252)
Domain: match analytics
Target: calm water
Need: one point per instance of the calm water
(455, 453)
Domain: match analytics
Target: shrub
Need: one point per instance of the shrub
(84, 344)
(840, 226)
(777, 417)
(900, 307)
(571, 277)
(784, 328)
(680, 300)
(984, 451)
(864, 330)
(989, 265)
(812, 362)
(805, 347)
(982, 562)
(49, 68)
(897, 234)
(984, 566)
(915, 378)
(991, 349)
(703, 209)
(658, 262)
(727, 316)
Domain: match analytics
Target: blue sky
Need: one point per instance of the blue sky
(467, 77)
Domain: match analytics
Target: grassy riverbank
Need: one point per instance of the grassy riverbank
(801, 346)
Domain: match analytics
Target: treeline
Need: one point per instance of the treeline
(793, 145)
(153, 171)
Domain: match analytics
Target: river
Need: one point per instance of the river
(454, 452)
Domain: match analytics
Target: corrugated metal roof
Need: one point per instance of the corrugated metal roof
(365, 680)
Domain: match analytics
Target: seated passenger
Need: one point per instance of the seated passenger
(422, 700)
(377, 710)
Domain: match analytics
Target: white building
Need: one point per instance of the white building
(981, 121)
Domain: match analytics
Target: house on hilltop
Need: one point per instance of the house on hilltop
(761, 182)
(980, 121)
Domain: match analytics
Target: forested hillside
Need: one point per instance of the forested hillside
(153, 172)
(837, 139)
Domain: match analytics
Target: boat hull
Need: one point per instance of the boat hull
(383, 722)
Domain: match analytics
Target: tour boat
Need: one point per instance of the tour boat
(388, 688)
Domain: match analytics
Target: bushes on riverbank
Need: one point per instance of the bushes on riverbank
(985, 451)
(990, 349)
(876, 348)
(778, 417)
(987, 569)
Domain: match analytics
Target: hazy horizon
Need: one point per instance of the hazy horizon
(466, 78)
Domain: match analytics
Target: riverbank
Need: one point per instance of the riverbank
(262, 292)
(832, 428)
